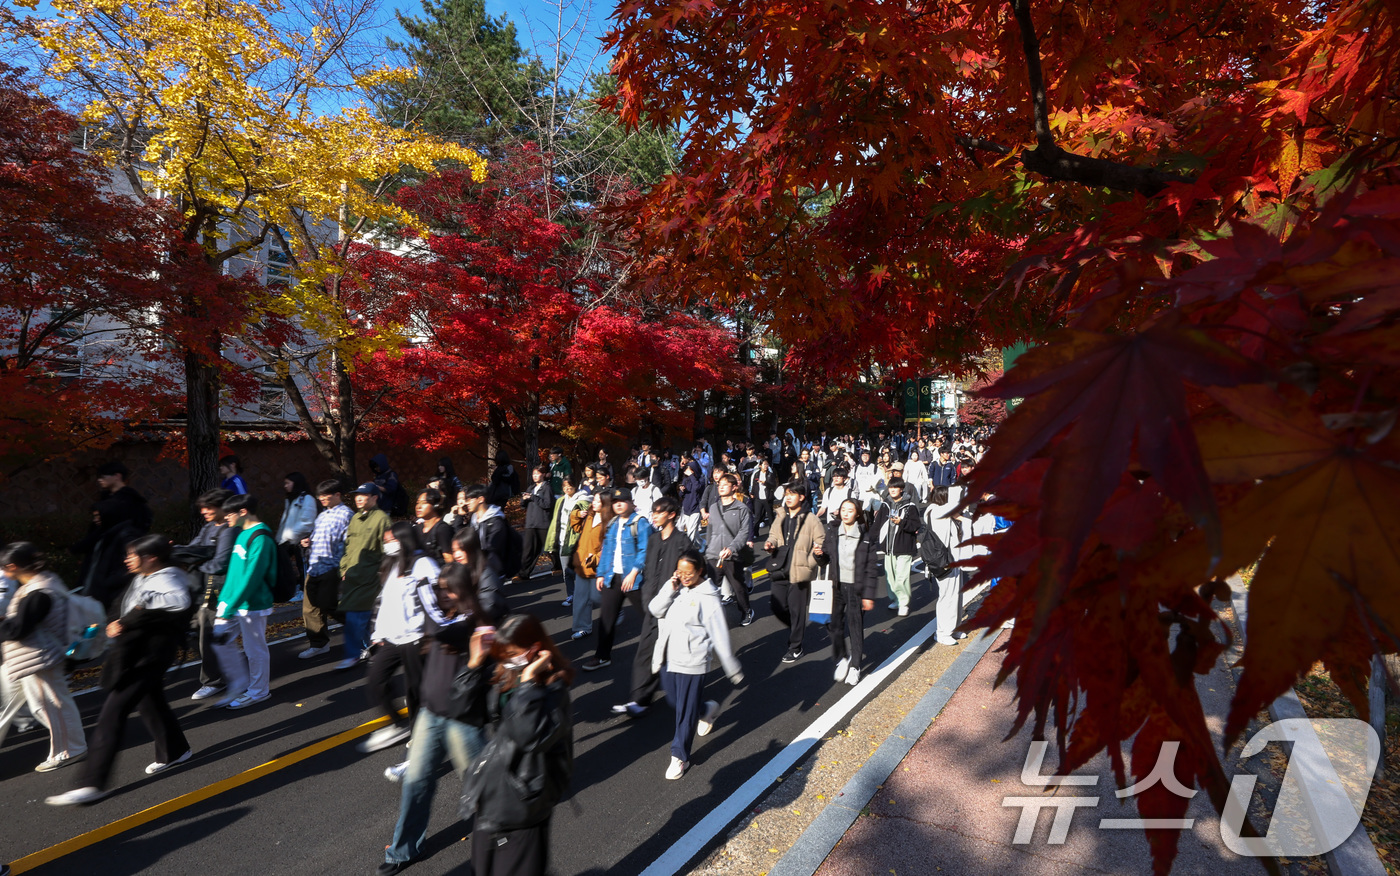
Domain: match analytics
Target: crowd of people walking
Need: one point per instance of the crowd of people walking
(420, 585)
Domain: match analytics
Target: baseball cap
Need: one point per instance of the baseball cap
(622, 494)
(368, 489)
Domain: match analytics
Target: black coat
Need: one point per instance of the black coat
(149, 643)
(867, 582)
(527, 766)
(537, 510)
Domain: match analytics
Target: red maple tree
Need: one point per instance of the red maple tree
(1191, 210)
(513, 323)
(84, 272)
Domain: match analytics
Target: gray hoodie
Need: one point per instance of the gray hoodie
(691, 625)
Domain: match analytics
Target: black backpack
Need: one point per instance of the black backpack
(935, 554)
(285, 581)
(398, 501)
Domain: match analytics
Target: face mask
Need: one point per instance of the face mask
(516, 663)
(391, 548)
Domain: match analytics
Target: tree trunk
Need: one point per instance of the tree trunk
(532, 431)
(699, 429)
(346, 428)
(201, 423)
(495, 435)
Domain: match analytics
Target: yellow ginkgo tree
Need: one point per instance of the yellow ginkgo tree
(251, 118)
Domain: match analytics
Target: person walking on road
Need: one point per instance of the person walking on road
(443, 730)
(244, 605)
(218, 535)
(563, 535)
(691, 627)
(489, 588)
(520, 680)
(951, 531)
(298, 518)
(321, 595)
(396, 639)
(359, 571)
(538, 502)
(34, 638)
(792, 542)
(727, 542)
(143, 643)
(592, 521)
(620, 570)
(851, 549)
(665, 546)
(901, 523)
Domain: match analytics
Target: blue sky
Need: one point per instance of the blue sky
(535, 21)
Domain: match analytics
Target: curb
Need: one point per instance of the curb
(822, 835)
(1357, 855)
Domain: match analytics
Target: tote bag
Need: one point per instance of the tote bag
(823, 595)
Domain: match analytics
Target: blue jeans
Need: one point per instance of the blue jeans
(569, 577)
(434, 737)
(356, 633)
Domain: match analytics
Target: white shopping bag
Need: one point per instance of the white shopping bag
(823, 595)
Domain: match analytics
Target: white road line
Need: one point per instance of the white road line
(687, 847)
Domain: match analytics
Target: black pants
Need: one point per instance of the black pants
(298, 558)
(609, 606)
(790, 602)
(145, 692)
(645, 683)
(523, 852)
(210, 675)
(762, 513)
(386, 658)
(847, 621)
(534, 546)
(737, 576)
(318, 603)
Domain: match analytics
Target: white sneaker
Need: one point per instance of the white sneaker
(159, 767)
(947, 640)
(707, 720)
(853, 677)
(383, 738)
(58, 762)
(843, 666)
(296, 597)
(347, 663)
(677, 768)
(224, 700)
(395, 772)
(209, 690)
(314, 652)
(904, 611)
(1009, 625)
(76, 797)
(247, 700)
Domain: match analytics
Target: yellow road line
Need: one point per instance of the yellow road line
(160, 810)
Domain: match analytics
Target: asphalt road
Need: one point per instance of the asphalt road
(333, 812)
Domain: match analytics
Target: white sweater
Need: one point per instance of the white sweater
(691, 625)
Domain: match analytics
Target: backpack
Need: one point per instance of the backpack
(284, 581)
(933, 551)
(398, 501)
(515, 548)
(86, 627)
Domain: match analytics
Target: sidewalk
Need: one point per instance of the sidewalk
(942, 808)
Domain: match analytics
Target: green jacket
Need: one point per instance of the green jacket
(557, 472)
(359, 567)
(251, 567)
(551, 541)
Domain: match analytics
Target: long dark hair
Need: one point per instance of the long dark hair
(525, 631)
(459, 580)
(299, 485)
(410, 548)
(25, 555)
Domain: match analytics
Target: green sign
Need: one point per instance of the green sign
(919, 400)
(911, 401)
(1009, 355)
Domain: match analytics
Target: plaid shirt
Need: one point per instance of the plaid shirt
(328, 539)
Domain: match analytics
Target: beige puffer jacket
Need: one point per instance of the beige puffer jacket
(46, 645)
